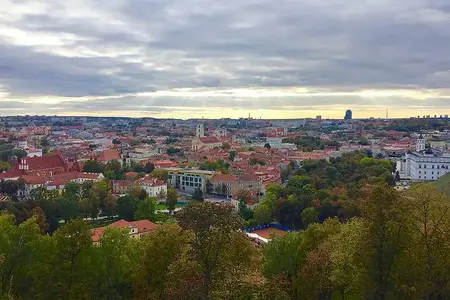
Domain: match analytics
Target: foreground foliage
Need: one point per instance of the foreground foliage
(396, 249)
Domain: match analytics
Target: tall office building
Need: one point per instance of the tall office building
(348, 115)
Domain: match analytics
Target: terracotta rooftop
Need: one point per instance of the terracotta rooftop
(11, 174)
(143, 226)
(224, 177)
(44, 162)
(209, 140)
(33, 179)
(108, 155)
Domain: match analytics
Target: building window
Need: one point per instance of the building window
(432, 166)
(420, 172)
(420, 166)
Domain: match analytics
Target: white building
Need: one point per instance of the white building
(153, 187)
(424, 165)
(420, 143)
(188, 179)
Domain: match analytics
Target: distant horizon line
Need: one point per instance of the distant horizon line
(228, 118)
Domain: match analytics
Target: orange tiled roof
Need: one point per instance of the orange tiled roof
(45, 162)
(108, 155)
(143, 226)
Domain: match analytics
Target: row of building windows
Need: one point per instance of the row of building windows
(192, 179)
(420, 177)
(432, 167)
(191, 184)
(425, 172)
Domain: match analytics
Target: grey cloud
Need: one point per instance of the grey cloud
(337, 44)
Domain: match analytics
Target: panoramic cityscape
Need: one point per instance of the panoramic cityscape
(222, 150)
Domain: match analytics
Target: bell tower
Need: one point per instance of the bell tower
(200, 131)
(420, 144)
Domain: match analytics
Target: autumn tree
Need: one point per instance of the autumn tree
(213, 227)
(158, 252)
(383, 209)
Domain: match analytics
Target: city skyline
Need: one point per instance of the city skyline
(212, 59)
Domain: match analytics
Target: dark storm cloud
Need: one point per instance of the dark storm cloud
(121, 47)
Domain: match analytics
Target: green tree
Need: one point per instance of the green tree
(267, 146)
(244, 211)
(72, 190)
(160, 174)
(309, 216)
(145, 209)
(232, 155)
(383, 210)
(198, 195)
(158, 252)
(213, 227)
(149, 167)
(428, 250)
(19, 153)
(172, 199)
(93, 166)
(73, 242)
(109, 205)
(66, 208)
(15, 247)
(263, 214)
(4, 166)
(126, 207)
(112, 266)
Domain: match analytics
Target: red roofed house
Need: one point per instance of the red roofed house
(58, 181)
(120, 187)
(152, 186)
(207, 142)
(137, 229)
(161, 164)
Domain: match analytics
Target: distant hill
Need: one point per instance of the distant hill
(443, 184)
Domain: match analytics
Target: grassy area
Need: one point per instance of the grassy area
(101, 223)
(163, 206)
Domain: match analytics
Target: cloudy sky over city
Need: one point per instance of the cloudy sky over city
(211, 58)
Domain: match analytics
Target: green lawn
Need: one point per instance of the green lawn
(163, 206)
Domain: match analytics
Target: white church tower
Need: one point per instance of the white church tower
(420, 144)
(200, 131)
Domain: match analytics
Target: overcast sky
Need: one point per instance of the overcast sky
(225, 58)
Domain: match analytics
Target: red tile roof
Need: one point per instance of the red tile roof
(44, 162)
(143, 226)
(33, 179)
(108, 155)
(150, 181)
(266, 233)
(209, 140)
(121, 183)
(11, 174)
(164, 164)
